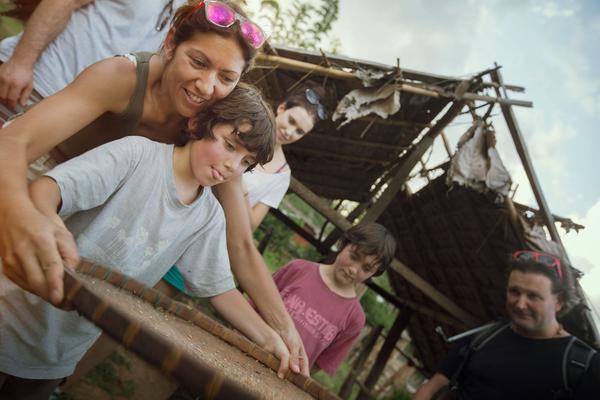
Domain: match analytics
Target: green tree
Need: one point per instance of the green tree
(301, 23)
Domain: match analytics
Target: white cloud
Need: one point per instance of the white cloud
(583, 251)
(551, 9)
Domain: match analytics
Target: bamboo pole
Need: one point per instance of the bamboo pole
(301, 66)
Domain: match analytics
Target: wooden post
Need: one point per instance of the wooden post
(412, 277)
(515, 132)
(299, 230)
(357, 365)
(400, 302)
(393, 336)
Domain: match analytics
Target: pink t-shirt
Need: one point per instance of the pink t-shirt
(327, 322)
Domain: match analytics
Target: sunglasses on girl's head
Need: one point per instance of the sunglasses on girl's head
(548, 260)
(223, 16)
(313, 98)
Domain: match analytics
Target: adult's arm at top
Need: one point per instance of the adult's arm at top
(29, 240)
(429, 389)
(46, 22)
(252, 273)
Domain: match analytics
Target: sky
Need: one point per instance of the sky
(551, 48)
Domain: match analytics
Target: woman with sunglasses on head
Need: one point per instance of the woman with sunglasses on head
(209, 46)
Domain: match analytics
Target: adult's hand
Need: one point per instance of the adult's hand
(16, 83)
(276, 346)
(34, 249)
(298, 361)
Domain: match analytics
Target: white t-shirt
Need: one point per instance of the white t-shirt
(120, 202)
(95, 31)
(266, 188)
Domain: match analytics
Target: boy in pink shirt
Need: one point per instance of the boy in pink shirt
(322, 299)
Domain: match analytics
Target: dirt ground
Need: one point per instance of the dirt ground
(124, 376)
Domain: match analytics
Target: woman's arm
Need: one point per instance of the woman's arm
(257, 214)
(46, 22)
(33, 247)
(236, 309)
(252, 273)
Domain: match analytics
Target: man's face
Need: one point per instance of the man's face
(531, 305)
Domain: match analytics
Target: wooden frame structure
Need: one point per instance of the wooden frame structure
(449, 269)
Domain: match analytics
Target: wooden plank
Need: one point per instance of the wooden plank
(357, 365)
(299, 230)
(332, 155)
(414, 306)
(388, 347)
(519, 141)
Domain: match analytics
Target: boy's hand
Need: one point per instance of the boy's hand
(299, 362)
(33, 247)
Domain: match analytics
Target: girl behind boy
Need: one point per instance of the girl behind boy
(322, 298)
(139, 207)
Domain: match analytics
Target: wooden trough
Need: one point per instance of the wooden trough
(207, 358)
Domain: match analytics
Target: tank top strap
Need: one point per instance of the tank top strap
(135, 109)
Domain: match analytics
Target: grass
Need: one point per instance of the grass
(106, 377)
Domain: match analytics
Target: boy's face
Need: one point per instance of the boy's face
(217, 161)
(352, 267)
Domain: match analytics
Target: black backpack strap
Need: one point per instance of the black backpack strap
(576, 361)
(465, 353)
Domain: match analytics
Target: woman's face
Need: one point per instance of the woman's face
(203, 70)
(292, 124)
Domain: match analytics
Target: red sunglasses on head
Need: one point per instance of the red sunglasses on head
(548, 260)
(223, 16)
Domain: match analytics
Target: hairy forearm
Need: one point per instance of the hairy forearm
(236, 309)
(246, 262)
(46, 22)
(254, 277)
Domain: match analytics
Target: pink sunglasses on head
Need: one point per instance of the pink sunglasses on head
(545, 259)
(223, 16)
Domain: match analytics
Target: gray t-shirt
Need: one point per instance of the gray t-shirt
(120, 202)
(98, 30)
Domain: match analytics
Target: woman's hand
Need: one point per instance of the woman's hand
(33, 248)
(275, 345)
(299, 362)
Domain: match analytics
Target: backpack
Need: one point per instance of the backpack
(576, 359)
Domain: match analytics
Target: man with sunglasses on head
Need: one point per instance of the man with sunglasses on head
(63, 37)
(529, 357)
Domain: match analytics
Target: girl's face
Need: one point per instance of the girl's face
(216, 161)
(292, 124)
(202, 70)
(351, 267)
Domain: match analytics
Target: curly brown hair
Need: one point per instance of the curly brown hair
(244, 104)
